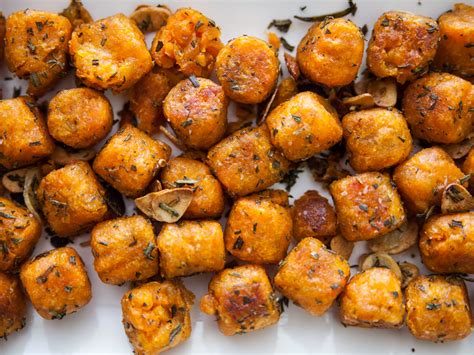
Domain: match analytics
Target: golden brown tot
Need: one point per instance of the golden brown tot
(72, 200)
(456, 48)
(437, 108)
(19, 233)
(242, 298)
(110, 53)
(438, 308)
(246, 162)
(373, 298)
(331, 52)
(24, 137)
(130, 160)
(156, 316)
(12, 305)
(402, 45)
(247, 68)
(124, 250)
(312, 276)
(36, 48)
(376, 139)
(196, 109)
(422, 178)
(56, 283)
(189, 41)
(190, 247)
(313, 216)
(251, 233)
(303, 126)
(367, 206)
(447, 243)
(208, 196)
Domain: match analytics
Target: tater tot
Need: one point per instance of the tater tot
(437, 107)
(331, 52)
(19, 233)
(456, 48)
(422, 178)
(147, 96)
(376, 139)
(56, 283)
(124, 250)
(25, 139)
(402, 45)
(447, 243)
(303, 126)
(246, 162)
(36, 48)
(313, 216)
(130, 160)
(79, 118)
(250, 232)
(312, 276)
(208, 197)
(196, 109)
(438, 308)
(190, 41)
(72, 200)
(190, 247)
(367, 206)
(247, 68)
(373, 298)
(12, 305)
(242, 299)
(110, 53)
(156, 316)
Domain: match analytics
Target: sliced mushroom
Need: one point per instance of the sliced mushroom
(32, 179)
(173, 139)
(166, 205)
(14, 180)
(292, 66)
(63, 157)
(76, 13)
(150, 18)
(409, 272)
(327, 169)
(155, 186)
(384, 91)
(358, 102)
(456, 199)
(397, 241)
(459, 150)
(341, 246)
(380, 260)
(114, 199)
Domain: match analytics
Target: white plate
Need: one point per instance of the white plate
(98, 329)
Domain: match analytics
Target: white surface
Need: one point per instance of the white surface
(98, 329)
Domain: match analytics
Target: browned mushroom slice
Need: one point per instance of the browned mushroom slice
(77, 14)
(63, 157)
(341, 246)
(32, 179)
(166, 205)
(380, 260)
(396, 241)
(409, 272)
(150, 18)
(292, 66)
(384, 91)
(359, 102)
(456, 199)
(14, 180)
(460, 150)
